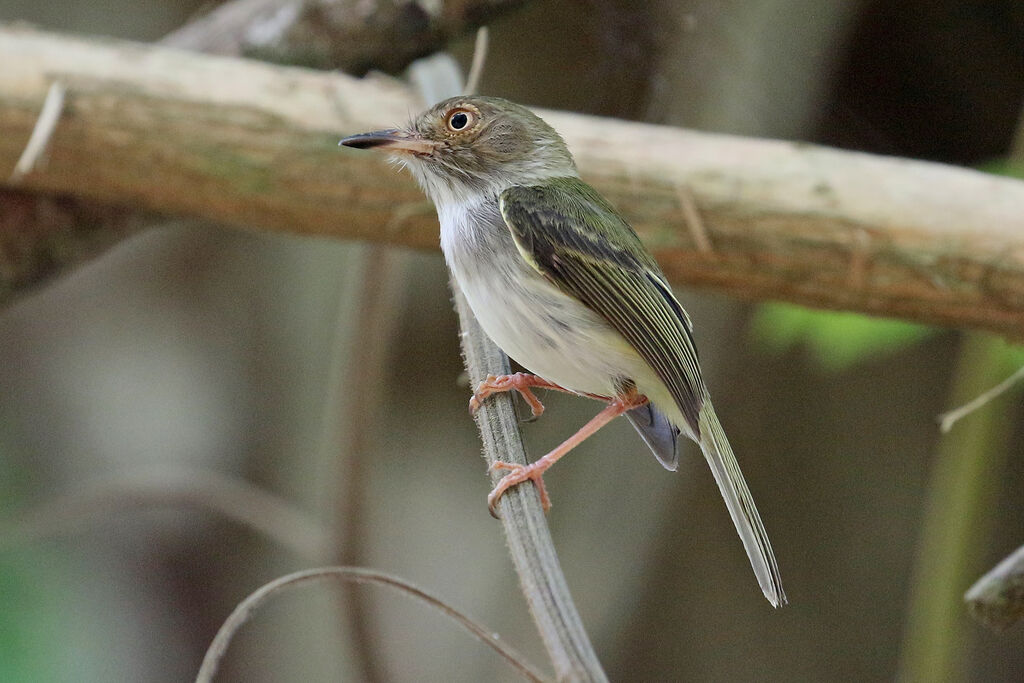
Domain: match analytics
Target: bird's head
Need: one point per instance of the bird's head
(466, 147)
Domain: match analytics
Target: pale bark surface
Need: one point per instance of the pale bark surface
(255, 145)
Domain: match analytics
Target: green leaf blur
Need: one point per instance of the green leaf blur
(835, 340)
(1004, 167)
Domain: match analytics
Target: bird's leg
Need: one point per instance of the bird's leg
(534, 471)
(521, 382)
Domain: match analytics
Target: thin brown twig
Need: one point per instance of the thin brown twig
(950, 418)
(245, 610)
(529, 541)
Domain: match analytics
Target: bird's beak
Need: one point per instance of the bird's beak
(393, 140)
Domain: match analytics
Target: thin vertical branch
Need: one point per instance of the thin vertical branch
(370, 331)
(956, 521)
(360, 375)
(526, 529)
(476, 68)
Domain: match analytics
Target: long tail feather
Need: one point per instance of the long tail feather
(741, 505)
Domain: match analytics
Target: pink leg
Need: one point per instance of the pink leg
(534, 471)
(521, 382)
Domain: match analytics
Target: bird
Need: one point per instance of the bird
(559, 280)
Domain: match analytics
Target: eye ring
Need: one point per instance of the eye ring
(460, 120)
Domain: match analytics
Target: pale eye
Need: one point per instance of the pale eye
(461, 119)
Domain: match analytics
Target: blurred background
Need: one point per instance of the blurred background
(192, 353)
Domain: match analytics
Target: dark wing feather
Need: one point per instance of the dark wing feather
(573, 236)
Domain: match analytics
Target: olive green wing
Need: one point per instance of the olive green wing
(573, 237)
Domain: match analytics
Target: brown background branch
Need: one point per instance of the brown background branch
(42, 235)
(254, 145)
(351, 35)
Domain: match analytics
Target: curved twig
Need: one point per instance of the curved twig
(245, 609)
(950, 418)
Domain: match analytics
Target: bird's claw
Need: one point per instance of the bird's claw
(520, 381)
(517, 475)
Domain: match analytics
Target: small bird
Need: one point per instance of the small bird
(560, 281)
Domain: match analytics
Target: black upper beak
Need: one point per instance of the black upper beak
(391, 140)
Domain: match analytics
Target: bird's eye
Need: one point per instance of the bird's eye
(461, 119)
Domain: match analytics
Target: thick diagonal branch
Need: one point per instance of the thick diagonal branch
(254, 145)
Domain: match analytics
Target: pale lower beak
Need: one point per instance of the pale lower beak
(392, 141)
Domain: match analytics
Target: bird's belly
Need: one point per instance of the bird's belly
(548, 332)
(545, 330)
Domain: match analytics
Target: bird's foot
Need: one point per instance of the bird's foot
(517, 475)
(520, 473)
(522, 382)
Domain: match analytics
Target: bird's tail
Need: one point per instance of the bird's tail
(658, 432)
(741, 505)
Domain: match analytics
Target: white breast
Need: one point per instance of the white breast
(543, 329)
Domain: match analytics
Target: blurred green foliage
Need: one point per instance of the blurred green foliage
(30, 622)
(1006, 167)
(835, 340)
